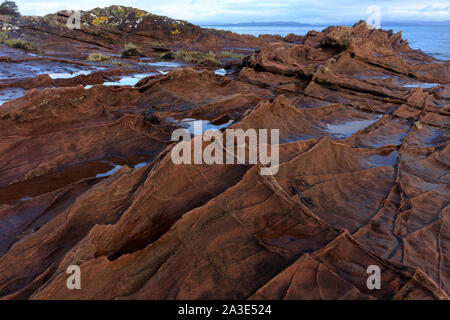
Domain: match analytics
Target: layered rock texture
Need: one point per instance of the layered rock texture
(110, 28)
(86, 176)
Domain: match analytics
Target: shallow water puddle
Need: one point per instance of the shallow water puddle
(141, 165)
(221, 72)
(25, 199)
(165, 64)
(431, 136)
(370, 77)
(68, 75)
(205, 125)
(423, 85)
(27, 190)
(10, 94)
(127, 80)
(117, 167)
(346, 129)
(381, 160)
(30, 69)
(164, 67)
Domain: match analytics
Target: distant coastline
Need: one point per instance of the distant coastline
(261, 24)
(301, 24)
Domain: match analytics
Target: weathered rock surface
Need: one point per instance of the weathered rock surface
(110, 28)
(86, 176)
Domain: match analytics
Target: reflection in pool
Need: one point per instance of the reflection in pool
(10, 94)
(167, 64)
(194, 126)
(68, 75)
(128, 80)
(423, 85)
(117, 167)
(221, 72)
(346, 129)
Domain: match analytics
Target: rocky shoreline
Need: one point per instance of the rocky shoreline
(86, 176)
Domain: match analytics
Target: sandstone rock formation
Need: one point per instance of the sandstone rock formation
(362, 180)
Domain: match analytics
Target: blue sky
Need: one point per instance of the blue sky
(308, 11)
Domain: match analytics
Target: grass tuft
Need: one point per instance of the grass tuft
(19, 44)
(100, 57)
(196, 58)
(131, 45)
(97, 57)
(232, 55)
(132, 50)
(3, 36)
(117, 62)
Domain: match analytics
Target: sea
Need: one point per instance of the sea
(431, 39)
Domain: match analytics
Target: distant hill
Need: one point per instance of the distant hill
(262, 24)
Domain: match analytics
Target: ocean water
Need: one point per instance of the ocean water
(433, 40)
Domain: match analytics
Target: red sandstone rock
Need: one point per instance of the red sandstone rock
(362, 180)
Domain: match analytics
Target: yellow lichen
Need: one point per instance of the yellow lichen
(140, 13)
(99, 20)
(176, 31)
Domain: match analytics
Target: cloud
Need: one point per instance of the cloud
(431, 8)
(427, 13)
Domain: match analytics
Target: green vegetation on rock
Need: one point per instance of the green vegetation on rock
(232, 55)
(132, 50)
(117, 62)
(19, 44)
(3, 36)
(194, 57)
(100, 57)
(16, 43)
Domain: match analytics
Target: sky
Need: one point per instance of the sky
(233, 11)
